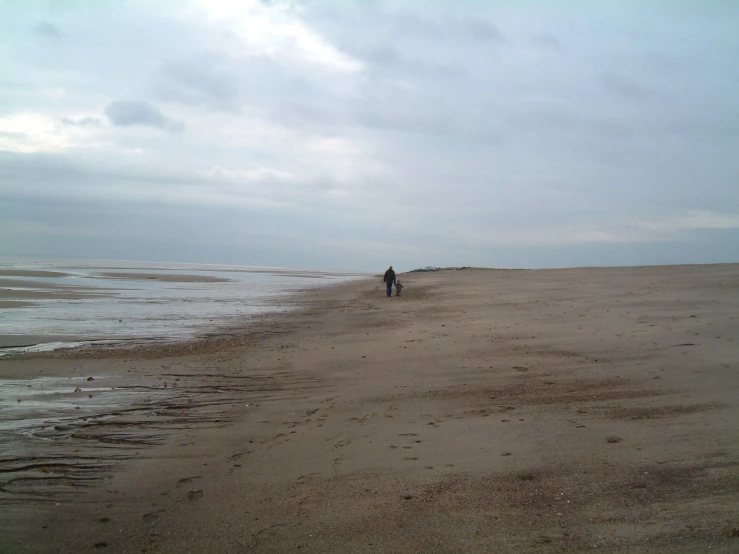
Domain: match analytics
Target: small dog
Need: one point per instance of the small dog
(398, 288)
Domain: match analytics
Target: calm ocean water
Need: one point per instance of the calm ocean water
(100, 300)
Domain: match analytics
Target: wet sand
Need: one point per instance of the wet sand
(483, 411)
(25, 283)
(14, 341)
(51, 294)
(23, 289)
(291, 272)
(164, 277)
(4, 304)
(31, 273)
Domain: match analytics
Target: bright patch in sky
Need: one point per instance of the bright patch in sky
(23, 132)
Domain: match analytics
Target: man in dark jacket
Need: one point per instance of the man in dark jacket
(389, 280)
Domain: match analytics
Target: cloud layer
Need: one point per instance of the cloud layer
(124, 113)
(357, 134)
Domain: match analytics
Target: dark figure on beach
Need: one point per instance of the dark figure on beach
(389, 280)
(398, 288)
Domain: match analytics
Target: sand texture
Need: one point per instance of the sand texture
(484, 411)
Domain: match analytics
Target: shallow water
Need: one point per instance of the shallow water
(59, 435)
(84, 304)
(35, 407)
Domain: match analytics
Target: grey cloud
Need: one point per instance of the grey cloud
(50, 175)
(228, 83)
(204, 79)
(133, 112)
(428, 39)
(412, 24)
(429, 121)
(384, 55)
(549, 42)
(387, 58)
(301, 112)
(626, 88)
(87, 121)
(445, 27)
(662, 62)
(479, 29)
(48, 30)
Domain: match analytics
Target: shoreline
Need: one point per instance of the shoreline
(14, 345)
(100, 304)
(563, 405)
(224, 335)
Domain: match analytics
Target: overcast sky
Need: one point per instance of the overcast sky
(358, 134)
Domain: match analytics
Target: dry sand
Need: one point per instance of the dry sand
(483, 411)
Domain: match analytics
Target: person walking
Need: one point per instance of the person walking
(389, 280)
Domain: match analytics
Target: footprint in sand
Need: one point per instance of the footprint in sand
(188, 479)
(194, 494)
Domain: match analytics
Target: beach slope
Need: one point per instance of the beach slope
(483, 411)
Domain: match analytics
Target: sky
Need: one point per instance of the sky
(353, 134)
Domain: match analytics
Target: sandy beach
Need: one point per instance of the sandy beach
(574, 410)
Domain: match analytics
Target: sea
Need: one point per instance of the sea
(48, 304)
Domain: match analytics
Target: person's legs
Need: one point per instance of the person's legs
(389, 289)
